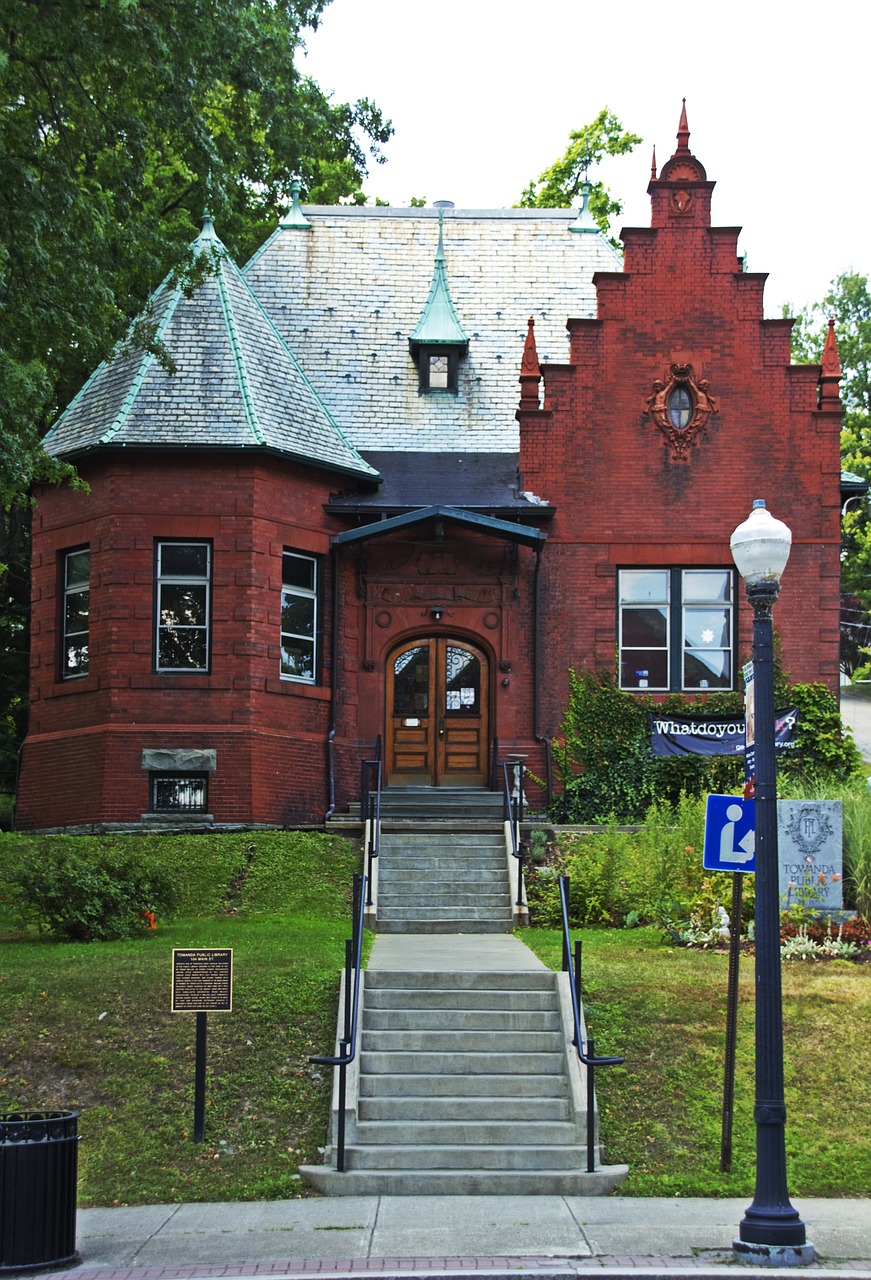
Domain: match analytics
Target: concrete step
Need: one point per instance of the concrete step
(460, 980)
(415, 998)
(428, 1063)
(465, 1182)
(509, 1108)
(484, 1085)
(453, 925)
(465, 1156)
(477, 1020)
(459, 908)
(514, 1136)
(472, 1042)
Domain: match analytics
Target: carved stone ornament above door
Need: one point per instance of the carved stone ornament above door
(680, 406)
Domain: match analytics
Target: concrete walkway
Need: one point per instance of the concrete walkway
(454, 952)
(450, 1236)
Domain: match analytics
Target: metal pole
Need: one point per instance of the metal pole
(200, 1080)
(771, 1223)
(731, 1024)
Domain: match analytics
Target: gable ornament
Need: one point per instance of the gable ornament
(680, 405)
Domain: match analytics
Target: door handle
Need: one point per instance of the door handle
(441, 728)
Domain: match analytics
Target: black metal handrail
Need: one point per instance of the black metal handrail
(588, 1058)
(348, 1040)
(370, 812)
(512, 813)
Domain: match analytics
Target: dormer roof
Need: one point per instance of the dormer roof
(235, 383)
(439, 325)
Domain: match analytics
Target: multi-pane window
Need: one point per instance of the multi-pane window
(76, 571)
(676, 629)
(299, 616)
(184, 572)
(179, 792)
(439, 369)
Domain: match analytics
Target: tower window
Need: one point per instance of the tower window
(439, 370)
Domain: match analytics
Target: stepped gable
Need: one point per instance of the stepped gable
(235, 384)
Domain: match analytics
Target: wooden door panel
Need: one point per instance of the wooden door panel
(437, 714)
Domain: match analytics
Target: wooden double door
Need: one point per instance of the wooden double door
(437, 713)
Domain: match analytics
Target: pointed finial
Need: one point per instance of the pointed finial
(831, 363)
(530, 371)
(440, 248)
(653, 165)
(585, 220)
(295, 219)
(683, 129)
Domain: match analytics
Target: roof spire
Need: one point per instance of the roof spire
(653, 165)
(830, 371)
(439, 324)
(683, 131)
(530, 371)
(295, 219)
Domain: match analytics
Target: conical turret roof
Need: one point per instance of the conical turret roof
(235, 382)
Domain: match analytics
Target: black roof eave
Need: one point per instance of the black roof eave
(76, 455)
(507, 529)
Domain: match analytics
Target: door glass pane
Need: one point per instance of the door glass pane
(411, 682)
(462, 682)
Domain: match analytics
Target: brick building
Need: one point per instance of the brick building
(376, 498)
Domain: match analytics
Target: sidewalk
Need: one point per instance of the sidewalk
(451, 1236)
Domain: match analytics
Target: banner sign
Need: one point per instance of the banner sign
(680, 735)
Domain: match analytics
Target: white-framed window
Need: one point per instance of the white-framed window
(179, 792)
(183, 574)
(299, 616)
(676, 629)
(76, 612)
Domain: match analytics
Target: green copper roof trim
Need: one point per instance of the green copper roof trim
(504, 528)
(295, 219)
(585, 220)
(439, 324)
(238, 360)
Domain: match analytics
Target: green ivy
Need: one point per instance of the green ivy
(606, 769)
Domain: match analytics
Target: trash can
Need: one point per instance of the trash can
(38, 1168)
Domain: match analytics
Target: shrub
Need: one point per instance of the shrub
(85, 900)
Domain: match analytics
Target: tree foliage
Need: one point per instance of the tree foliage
(559, 186)
(849, 303)
(120, 121)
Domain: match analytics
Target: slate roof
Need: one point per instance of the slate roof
(475, 481)
(236, 383)
(347, 293)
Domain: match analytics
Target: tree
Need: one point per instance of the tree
(120, 121)
(559, 186)
(849, 303)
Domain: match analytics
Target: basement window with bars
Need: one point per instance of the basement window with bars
(179, 792)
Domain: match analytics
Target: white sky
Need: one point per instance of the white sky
(483, 94)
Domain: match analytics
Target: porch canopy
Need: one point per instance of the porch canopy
(523, 534)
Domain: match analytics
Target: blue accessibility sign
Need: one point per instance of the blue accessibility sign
(730, 834)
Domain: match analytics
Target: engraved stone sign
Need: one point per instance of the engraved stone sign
(810, 854)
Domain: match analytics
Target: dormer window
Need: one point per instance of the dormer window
(439, 370)
(438, 339)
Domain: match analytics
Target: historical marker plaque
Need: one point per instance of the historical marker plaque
(202, 980)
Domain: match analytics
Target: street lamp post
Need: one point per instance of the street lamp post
(771, 1232)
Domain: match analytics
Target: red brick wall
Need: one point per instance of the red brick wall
(624, 499)
(82, 761)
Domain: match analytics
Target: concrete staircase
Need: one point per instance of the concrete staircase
(433, 880)
(465, 1081)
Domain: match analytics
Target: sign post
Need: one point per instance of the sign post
(730, 845)
(202, 983)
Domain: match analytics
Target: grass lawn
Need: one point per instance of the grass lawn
(664, 1009)
(87, 1025)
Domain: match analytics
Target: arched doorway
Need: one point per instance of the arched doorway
(437, 713)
